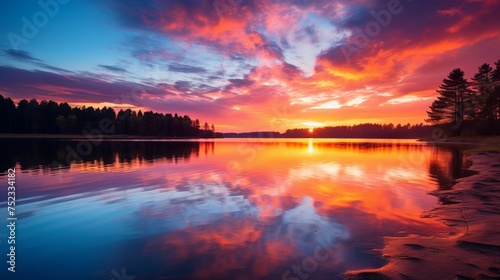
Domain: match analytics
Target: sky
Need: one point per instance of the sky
(246, 65)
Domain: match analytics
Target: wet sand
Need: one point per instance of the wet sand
(472, 248)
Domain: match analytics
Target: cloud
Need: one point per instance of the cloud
(183, 86)
(334, 104)
(20, 83)
(241, 82)
(113, 68)
(53, 68)
(198, 22)
(177, 67)
(20, 55)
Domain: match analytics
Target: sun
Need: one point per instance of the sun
(311, 130)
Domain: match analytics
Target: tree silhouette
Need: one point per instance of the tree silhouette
(476, 104)
(48, 117)
(366, 130)
(496, 90)
(483, 86)
(449, 106)
(7, 114)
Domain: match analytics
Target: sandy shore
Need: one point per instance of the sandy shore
(472, 248)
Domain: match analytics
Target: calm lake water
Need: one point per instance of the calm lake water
(223, 209)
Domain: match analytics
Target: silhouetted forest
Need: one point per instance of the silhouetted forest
(256, 134)
(49, 117)
(366, 130)
(469, 108)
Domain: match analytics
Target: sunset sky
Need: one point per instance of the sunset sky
(248, 65)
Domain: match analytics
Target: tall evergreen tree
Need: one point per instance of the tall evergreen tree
(479, 104)
(449, 106)
(495, 76)
(7, 113)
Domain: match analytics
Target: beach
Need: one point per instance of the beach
(471, 249)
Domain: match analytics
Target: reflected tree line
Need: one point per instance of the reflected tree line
(49, 117)
(357, 146)
(448, 164)
(34, 154)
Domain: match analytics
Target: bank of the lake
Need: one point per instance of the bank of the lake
(472, 249)
(476, 143)
(90, 135)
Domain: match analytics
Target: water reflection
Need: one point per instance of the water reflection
(37, 153)
(178, 210)
(446, 166)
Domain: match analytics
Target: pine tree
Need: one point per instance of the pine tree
(479, 105)
(495, 76)
(439, 112)
(449, 106)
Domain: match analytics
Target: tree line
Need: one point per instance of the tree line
(469, 107)
(49, 117)
(366, 130)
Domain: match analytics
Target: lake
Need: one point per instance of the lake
(217, 209)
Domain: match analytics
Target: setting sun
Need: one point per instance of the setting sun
(311, 130)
